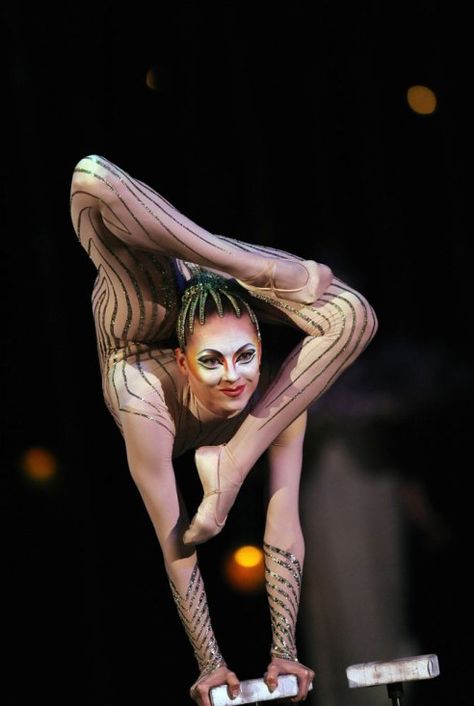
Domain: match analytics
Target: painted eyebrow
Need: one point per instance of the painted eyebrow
(212, 351)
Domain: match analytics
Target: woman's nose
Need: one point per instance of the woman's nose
(230, 372)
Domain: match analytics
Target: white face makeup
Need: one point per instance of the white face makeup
(222, 362)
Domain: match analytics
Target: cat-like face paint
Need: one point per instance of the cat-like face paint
(222, 362)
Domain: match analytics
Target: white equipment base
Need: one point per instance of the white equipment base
(255, 690)
(396, 670)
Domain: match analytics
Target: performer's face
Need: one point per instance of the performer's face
(222, 362)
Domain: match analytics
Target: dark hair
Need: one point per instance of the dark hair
(206, 287)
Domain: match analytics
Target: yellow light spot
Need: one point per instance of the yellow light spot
(245, 569)
(39, 464)
(421, 99)
(248, 556)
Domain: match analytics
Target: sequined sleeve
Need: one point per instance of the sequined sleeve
(193, 611)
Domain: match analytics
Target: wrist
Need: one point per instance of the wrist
(208, 668)
(281, 653)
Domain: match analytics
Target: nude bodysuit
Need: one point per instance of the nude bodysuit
(141, 246)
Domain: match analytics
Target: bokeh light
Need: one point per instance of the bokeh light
(421, 99)
(244, 569)
(39, 464)
(154, 78)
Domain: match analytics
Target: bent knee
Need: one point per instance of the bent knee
(361, 317)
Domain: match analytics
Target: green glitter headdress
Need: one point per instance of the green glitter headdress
(205, 287)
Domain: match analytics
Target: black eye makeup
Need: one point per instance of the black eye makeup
(212, 360)
(209, 361)
(247, 356)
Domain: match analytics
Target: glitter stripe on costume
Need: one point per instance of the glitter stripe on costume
(344, 333)
(154, 414)
(166, 297)
(283, 576)
(148, 382)
(151, 212)
(94, 242)
(97, 301)
(131, 270)
(136, 288)
(194, 614)
(103, 331)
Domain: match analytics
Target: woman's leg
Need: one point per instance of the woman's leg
(141, 218)
(132, 234)
(338, 327)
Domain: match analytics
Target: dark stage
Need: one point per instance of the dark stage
(286, 126)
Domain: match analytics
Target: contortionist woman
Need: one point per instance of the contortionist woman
(177, 311)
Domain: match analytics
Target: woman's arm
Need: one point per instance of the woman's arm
(284, 554)
(149, 459)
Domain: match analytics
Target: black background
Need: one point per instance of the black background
(283, 125)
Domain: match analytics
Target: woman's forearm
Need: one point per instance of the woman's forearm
(283, 540)
(193, 610)
(283, 576)
(149, 450)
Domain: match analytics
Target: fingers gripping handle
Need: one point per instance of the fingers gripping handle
(255, 690)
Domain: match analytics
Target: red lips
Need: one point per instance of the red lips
(234, 392)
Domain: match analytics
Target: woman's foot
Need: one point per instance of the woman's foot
(312, 277)
(221, 482)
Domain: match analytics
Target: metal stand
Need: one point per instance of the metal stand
(395, 693)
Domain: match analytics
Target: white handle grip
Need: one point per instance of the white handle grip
(395, 670)
(253, 690)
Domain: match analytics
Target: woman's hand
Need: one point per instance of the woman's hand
(199, 691)
(278, 666)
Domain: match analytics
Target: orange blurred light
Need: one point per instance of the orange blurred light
(39, 463)
(245, 569)
(248, 556)
(152, 79)
(421, 99)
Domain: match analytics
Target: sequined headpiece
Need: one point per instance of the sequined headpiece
(202, 288)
